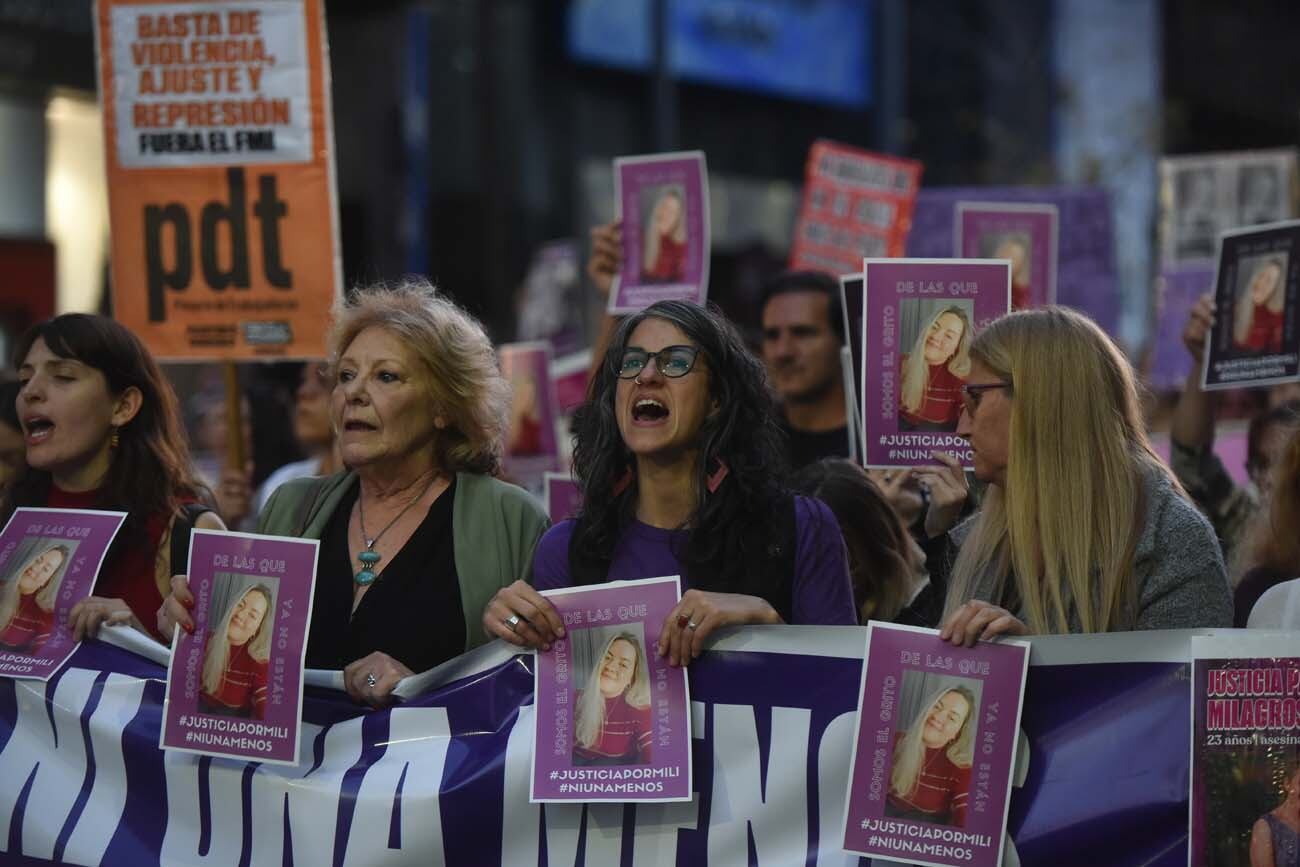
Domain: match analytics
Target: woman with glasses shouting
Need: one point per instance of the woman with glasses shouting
(1082, 529)
(679, 457)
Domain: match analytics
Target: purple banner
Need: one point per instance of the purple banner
(1086, 277)
(663, 202)
(933, 759)
(234, 686)
(49, 560)
(613, 721)
(1255, 340)
(919, 317)
(1023, 234)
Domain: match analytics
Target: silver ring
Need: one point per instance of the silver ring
(513, 622)
(371, 680)
(691, 624)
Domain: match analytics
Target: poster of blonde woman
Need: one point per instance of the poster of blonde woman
(532, 446)
(612, 716)
(935, 748)
(234, 685)
(49, 559)
(1255, 340)
(663, 203)
(1023, 234)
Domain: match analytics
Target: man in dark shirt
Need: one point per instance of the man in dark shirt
(803, 330)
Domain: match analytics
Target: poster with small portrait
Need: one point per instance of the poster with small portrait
(1204, 195)
(1245, 763)
(663, 201)
(234, 685)
(49, 561)
(919, 317)
(1255, 341)
(562, 495)
(612, 716)
(935, 748)
(532, 447)
(1024, 234)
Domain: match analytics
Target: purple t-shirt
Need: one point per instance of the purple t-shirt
(822, 593)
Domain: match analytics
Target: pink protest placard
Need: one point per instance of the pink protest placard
(563, 497)
(531, 445)
(930, 778)
(1023, 234)
(49, 560)
(612, 716)
(663, 201)
(234, 686)
(919, 317)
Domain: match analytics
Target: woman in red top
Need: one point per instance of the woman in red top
(27, 602)
(235, 660)
(102, 431)
(934, 371)
(930, 780)
(665, 240)
(1258, 323)
(612, 725)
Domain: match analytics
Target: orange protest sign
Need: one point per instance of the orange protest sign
(221, 181)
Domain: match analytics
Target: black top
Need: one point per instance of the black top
(807, 447)
(412, 611)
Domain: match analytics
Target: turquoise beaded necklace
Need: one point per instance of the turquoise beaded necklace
(369, 558)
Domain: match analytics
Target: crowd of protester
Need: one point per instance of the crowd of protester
(696, 453)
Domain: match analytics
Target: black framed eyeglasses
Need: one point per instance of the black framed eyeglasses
(671, 361)
(972, 393)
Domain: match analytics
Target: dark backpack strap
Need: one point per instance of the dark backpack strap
(180, 541)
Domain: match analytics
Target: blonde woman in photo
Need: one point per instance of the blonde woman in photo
(664, 250)
(934, 372)
(930, 780)
(1258, 320)
(237, 656)
(1083, 528)
(613, 717)
(27, 601)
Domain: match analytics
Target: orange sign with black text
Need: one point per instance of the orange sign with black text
(221, 191)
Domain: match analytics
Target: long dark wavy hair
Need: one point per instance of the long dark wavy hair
(150, 468)
(742, 433)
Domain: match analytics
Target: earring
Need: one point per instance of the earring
(622, 482)
(113, 440)
(715, 480)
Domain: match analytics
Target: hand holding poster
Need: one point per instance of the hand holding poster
(49, 560)
(1245, 797)
(1023, 234)
(935, 749)
(613, 717)
(919, 317)
(234, 686)
(663, 203)
(1255, 339)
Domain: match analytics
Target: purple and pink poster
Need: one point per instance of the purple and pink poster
(1245, 762)
(532, 448)
(1024, 234)
(563, 497)
(234, 686)
(612, 716)
(938, 725)
(1177, 290)
(919, 318)
(663, 202)
(49, 560)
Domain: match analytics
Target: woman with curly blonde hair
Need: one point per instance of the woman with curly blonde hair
(416, 535)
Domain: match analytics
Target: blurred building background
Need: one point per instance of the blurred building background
(469, 132)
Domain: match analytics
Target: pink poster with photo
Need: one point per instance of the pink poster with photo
(919, 318)
(234, 686)
(49, 561)
(1025, 234)
(663, 202)
(934, 754)
(531, 446)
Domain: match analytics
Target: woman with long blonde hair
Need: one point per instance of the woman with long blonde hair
(664, 251)
(236, 659)
(930, 779)
(1082, 529)
(27, 601)
(934, 372)
(612, 722)
(1257, 321)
